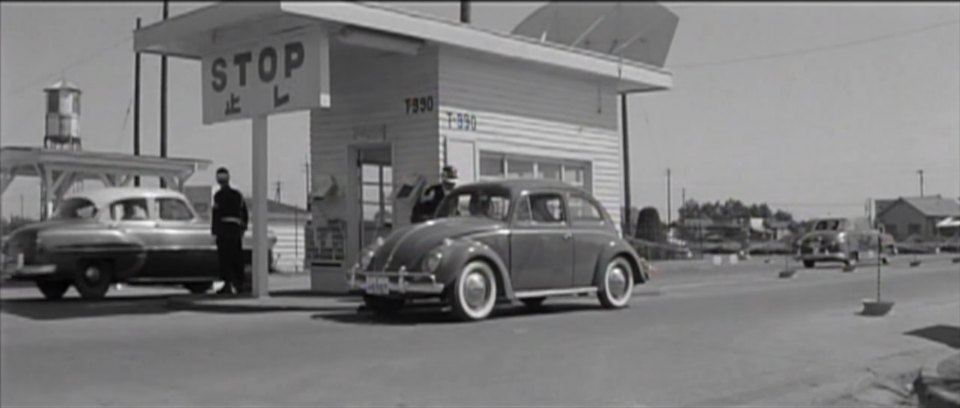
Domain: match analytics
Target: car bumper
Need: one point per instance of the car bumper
(393, 283)
(824, 256)
(26, 272)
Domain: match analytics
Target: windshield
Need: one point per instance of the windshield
(476, 203)
(827, 225)
(76, 208)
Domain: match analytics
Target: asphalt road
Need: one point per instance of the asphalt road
(699, 336)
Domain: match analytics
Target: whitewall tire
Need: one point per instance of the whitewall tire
(474, 293)
(616, 285)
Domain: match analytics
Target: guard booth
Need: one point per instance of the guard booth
(410, 93)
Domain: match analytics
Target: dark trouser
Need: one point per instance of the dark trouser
(230, 256)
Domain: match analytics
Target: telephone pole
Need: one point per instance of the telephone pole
(279, 185)
(920, 172)
(163, 97)
(669, 219)
(136, 108)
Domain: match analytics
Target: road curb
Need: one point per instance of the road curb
(215, 303)
(933, 389)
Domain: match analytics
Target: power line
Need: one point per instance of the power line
(74, 64)
(821, 48)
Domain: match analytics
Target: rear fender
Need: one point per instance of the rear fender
(620, 248)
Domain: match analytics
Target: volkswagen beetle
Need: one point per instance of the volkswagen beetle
(501, 241)
(112, 235)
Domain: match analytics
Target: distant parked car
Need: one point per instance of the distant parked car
(501, 241)
(843, 240)
(130, 235)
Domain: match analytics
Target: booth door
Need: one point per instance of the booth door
(461, 154)
(375, 171)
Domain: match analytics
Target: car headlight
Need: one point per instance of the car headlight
(842, 237)
(432, 261)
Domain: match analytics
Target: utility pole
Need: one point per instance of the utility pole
(683, 196)
(163, 97)
(465, 11)
(628, 225)
(277, 196)
(136, 108)
(920, 172)
(669, 219)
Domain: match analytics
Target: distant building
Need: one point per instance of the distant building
(915, 218)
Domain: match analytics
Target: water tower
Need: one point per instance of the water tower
(63, 117)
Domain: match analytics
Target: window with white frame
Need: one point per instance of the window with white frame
(495, 166)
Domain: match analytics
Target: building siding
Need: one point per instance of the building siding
(526, 111)
(289, 247)
(367, 100)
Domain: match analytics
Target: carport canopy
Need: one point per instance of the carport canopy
(58, 170)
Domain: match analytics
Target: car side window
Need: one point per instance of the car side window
(583, 210)
(543, 208)
(132, 209)
(172, 209)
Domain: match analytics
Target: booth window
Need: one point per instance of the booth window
(497, 166)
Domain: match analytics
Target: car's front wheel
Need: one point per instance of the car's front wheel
(474, 293)
(53, 290)
(617, 284)
(809, 264)
(93, 281)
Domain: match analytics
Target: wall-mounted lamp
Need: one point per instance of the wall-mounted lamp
(379, 40)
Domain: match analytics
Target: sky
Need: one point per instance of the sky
(812, 108)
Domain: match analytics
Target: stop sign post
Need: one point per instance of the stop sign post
(282, 73)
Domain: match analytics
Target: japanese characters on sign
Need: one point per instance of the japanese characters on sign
(277, 74)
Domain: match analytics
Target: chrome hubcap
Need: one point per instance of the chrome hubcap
(475, 290)
(617, 283)
(92, 274)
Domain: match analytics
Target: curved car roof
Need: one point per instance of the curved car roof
(107, 195)
(517, 185)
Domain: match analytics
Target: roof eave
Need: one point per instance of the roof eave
(189, 35)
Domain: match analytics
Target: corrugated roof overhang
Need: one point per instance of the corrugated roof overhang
(192, 35)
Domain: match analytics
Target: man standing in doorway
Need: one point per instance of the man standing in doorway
(427, 205)
(228, 224)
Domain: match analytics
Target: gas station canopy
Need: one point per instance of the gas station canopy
(193, 35)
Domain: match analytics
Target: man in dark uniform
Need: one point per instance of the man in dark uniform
(427, 205)
(228, 224)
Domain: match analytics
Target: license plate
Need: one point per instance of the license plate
(378, 285)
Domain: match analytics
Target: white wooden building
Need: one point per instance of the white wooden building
(493, 105)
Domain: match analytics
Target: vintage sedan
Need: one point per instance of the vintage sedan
(498, 242)
(845, 240)
(116, 235)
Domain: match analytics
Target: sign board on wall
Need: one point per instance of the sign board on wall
(277, 74)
